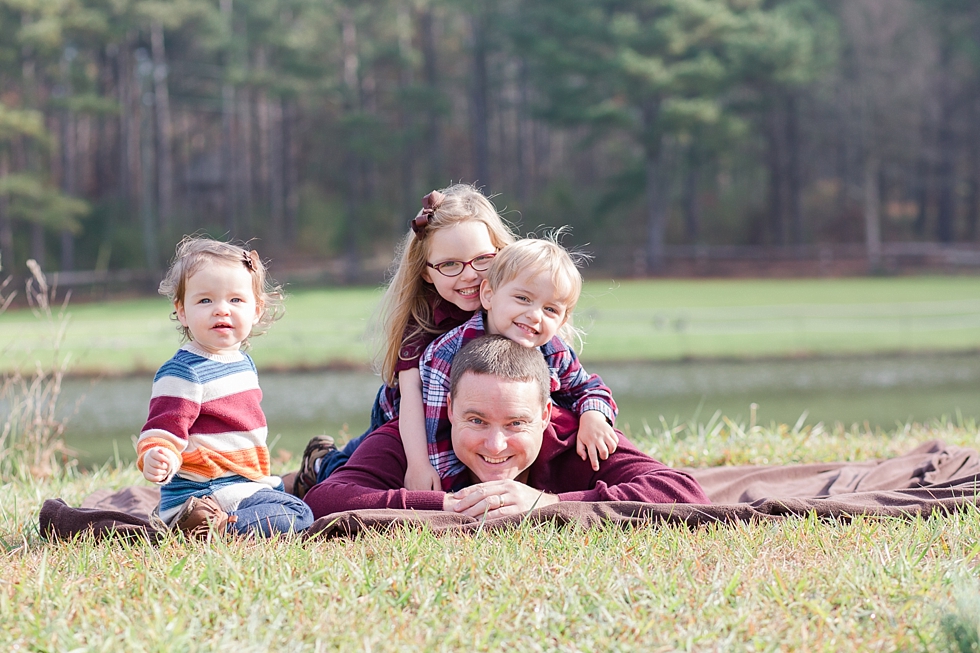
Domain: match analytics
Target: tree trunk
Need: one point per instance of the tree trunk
(129, 128)
(945, 151)
(291, 152)
(105, 143)
(245, 183)
(277, 169)
(973, 168)
(84, 157)
(872, 210)
(164, 140)
(433, 135)
(479, 101)
(654, 187)
(27, 154)
(228, 149)
(182, 169)
(67, 250)
(265, 130)
(406, 122)
(692, 209)
(39, 245)
(228, 158)
(370, 177)
(24, 159)
(656, 210)
(144, 68)
(497, 104)
(69, 169)
(921, 182)
(542, 141)
(793, 174)
(6, 223)
(352, 162)
(524, 146)
(946, 167)
(774, 162)
(973, 148)
(841, 142)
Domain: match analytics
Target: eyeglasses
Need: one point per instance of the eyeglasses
(455, 268)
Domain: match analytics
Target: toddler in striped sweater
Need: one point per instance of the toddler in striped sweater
(204, 442)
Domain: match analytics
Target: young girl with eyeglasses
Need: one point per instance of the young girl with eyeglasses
(435, 288)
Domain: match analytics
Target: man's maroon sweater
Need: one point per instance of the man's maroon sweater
(374, 477)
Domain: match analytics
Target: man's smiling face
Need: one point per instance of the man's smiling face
(498, 426)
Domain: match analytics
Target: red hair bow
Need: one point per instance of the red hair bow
(430, 203)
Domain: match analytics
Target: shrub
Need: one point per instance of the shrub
(31, 431)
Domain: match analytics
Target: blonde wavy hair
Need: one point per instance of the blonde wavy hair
(194, 253)
(406, 297)
(532, 256)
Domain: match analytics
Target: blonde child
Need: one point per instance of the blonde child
(528, 296)
(435, 288)
(204, 441)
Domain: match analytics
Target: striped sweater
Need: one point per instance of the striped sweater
(206, 410)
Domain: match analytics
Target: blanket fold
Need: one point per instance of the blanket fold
(930, 464)
(58, 520)
(932, 479)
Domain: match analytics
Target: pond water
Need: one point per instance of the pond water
(105, 415)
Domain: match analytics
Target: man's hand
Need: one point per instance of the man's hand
(157, 464)
(422, 476)
(496, 499)
(595, 439)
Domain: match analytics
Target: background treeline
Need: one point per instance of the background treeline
(316, 125)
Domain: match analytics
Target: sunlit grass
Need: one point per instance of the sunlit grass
(799, 583)
(791, 584)
(723, 441)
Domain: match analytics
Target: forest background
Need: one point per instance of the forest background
(664, 132)
(659, 129)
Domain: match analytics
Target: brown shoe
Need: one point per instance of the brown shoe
(199, 516)
(318, 447)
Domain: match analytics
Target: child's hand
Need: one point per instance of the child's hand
(157, 465)
(595, 439)
(422, 476)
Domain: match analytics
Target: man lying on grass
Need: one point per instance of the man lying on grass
(518, 449)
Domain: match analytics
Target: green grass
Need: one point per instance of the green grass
(666, 320)
(628, 320)
(321, 327)
(796, 584)
(871, 584)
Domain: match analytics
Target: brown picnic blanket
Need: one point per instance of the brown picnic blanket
(933, 478)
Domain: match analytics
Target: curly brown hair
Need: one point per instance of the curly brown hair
(194, 252)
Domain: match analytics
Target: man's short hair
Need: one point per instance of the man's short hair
(497, 356)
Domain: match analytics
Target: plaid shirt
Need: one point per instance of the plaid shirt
(571, 387)
(446, 316)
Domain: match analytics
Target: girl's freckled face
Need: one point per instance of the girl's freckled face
(462, 242)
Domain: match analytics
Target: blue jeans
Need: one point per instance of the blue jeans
(335, 459)
(271, 511)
